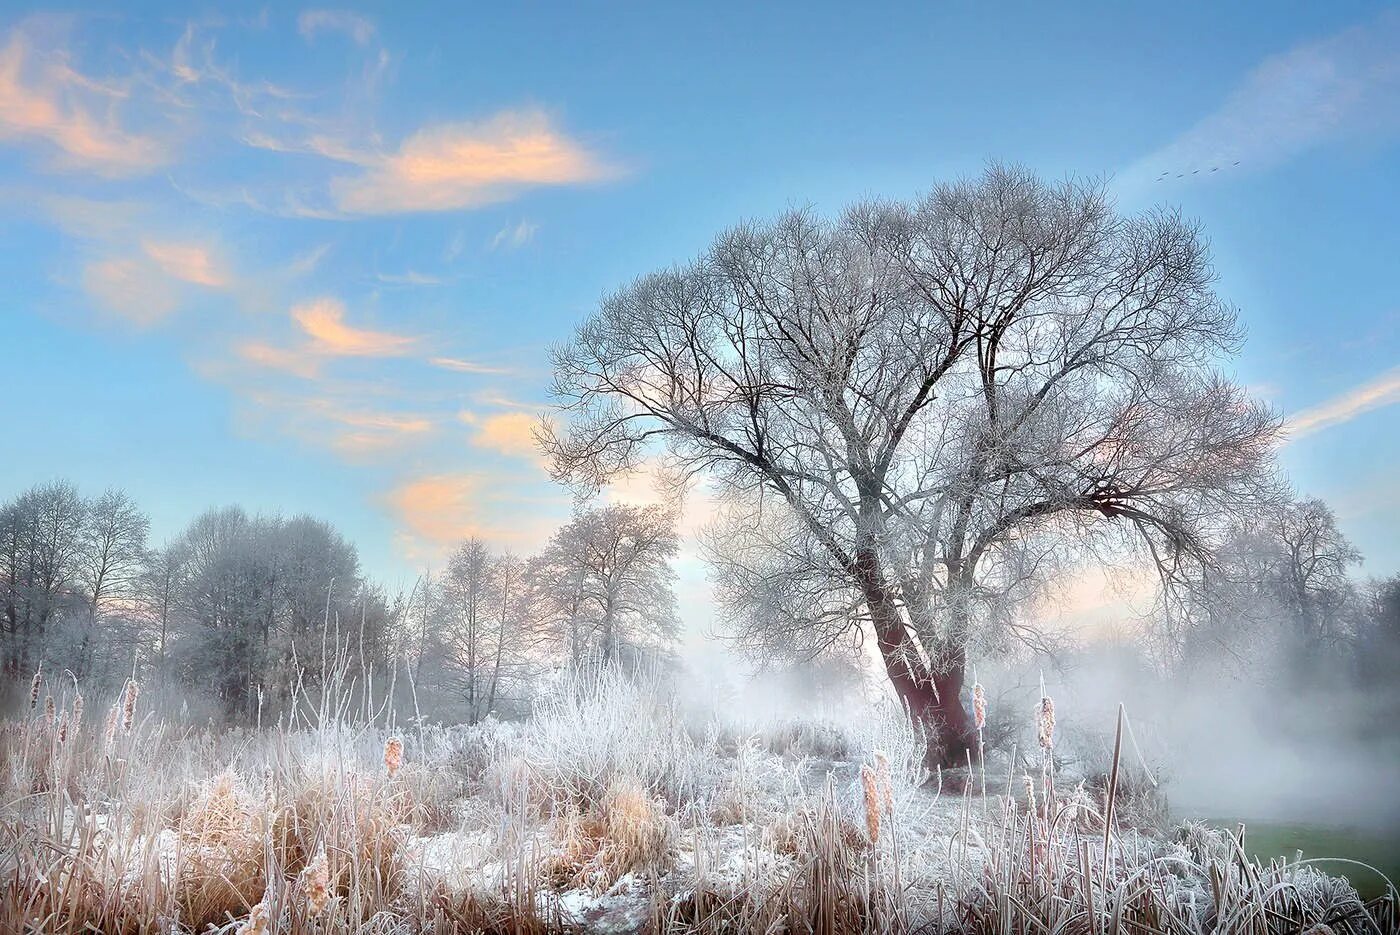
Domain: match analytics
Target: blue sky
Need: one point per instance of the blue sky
(312, 259)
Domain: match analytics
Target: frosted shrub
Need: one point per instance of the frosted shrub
(602, 730)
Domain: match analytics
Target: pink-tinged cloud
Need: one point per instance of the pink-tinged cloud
(436, 511)
(1375, 394)
(49, 102)
(131, 289)
(466, 165)
(190, 263)
(323, 321)
(360, 433)
(509, 433)
(271, 357)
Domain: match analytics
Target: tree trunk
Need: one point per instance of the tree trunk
(932, 698)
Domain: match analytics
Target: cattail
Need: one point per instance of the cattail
(393, 755)
(109, 730)
(1030, 794)
(257, 921)
(1045, 723)
(882, 773)
(315, 879)
(979, 706)
(34, 684)
(872, 803)
(63, 728)
(129, 705)
(49, 711)
(77, 711)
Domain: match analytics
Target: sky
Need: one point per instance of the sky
(312, 260)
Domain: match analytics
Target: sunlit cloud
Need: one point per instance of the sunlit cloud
(466, 165)
(190, 263)
(323, 321)
(508, 433)
(133, 289)
(1374, 394)
(44, 99)
(434, 512)
(271, 357)
(358, 28)
(1346, 84)
(362, 432)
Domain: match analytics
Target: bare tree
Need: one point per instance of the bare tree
(112, 556)
(607, 578)
(939, 399)
(41, 538)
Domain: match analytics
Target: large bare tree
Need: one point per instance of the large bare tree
(916, 407)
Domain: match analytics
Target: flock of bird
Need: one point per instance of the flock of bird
(1182, 175)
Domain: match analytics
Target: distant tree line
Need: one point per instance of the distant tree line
(1281, 598)
(251, 615)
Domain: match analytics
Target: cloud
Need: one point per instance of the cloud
(458, 365)
(357, 27)
(286, 360)
(133, 289)
(53, 103)
(509, 433)
(187, 262)
(410, 278)
(513, 237)
(369, 432)
(1375, 394)
(457, 166)
(323, 321)
(434, 512)
(1345, 84)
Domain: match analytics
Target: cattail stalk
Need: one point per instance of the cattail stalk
(393, 755)
(869, 784)
(129, 706)
(315, 880)
(34, 686)
(886, 783)
(979, 718)
(257, 921)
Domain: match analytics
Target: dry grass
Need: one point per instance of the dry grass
(606, 812)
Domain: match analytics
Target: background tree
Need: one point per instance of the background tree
(939, 397)
(112, 557)
(606, 580)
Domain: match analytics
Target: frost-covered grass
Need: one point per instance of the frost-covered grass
(611, 809)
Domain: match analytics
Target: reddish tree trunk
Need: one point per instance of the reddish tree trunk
(932, 698)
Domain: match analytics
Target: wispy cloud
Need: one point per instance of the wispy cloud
(287, 360)
(1346, 84)
(508, 433)
(514, 236)
(466, 165)
(187, 262)
(45, 99)
(410, 278)
(457, 365)
(357, 27)
(1383, 391)
(436, 511)
(131, 288)
(323, 321)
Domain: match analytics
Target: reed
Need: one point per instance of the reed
(604, 813)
